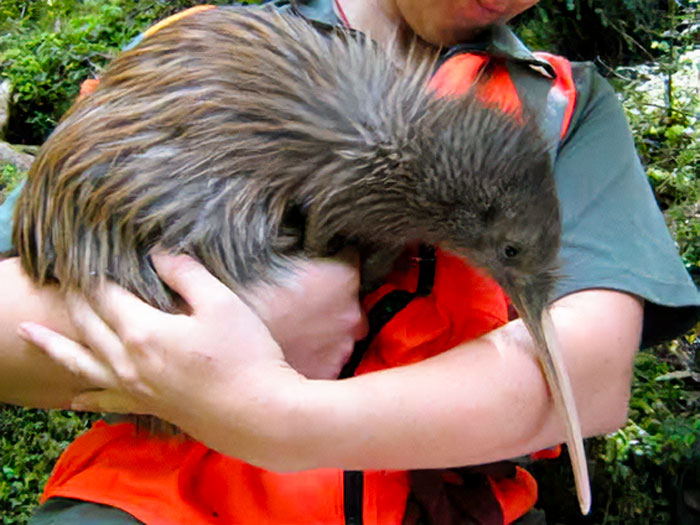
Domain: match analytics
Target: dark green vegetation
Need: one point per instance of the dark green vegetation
(646, 473)
(10, 176)
(612, 33)
(30, 443)
(49, 48)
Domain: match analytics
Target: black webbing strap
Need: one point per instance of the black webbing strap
(392, 303)
(381, 313)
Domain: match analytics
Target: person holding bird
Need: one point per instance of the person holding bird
(477, 398)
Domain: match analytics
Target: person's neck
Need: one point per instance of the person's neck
(379, 19)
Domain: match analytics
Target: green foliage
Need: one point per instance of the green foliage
(640, 472)
(637, 472)
(10, 176)
(644, 460)
(30, 443)
(685, 223)
(47, 48)
(611, 32)
(662, 104)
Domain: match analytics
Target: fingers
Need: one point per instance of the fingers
(199, 288)
(120, 310)
(73, 356)
(83, 363)
(104, 344)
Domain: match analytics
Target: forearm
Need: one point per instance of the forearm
(483, 401)
(28, 376)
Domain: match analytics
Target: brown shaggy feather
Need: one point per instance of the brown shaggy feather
(246, 138)
(213, 136)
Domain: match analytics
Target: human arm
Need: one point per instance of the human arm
(317, 330)
(27, 376)
(481, 401)
(602, 331)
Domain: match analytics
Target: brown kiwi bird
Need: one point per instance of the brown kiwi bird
(246, 138)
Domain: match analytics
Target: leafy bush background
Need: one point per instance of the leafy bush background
(49, 48)
(646, 473)
(30, 443)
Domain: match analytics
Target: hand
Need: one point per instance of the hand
(315, 316)
(146, 361)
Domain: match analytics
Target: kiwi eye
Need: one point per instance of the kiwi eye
(510, 251)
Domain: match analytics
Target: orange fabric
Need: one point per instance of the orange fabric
(515, 495)
(495, 87)
(500, 91)
(88, 86)
(459, 309)
(174, 18)
(173, 480)
(456, 76)
(547, 453)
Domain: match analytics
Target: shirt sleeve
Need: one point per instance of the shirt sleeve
(613, 234)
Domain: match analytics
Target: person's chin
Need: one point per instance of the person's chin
(447, 37)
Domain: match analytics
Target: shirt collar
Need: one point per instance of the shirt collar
(500, 41)
(320, 12)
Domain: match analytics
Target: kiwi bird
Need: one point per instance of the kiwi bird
(246, 138)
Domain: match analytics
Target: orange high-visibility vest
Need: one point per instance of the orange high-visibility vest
(440, 301)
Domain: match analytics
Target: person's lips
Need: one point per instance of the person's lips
(494, 8)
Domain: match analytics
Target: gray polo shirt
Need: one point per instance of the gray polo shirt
(614, 235)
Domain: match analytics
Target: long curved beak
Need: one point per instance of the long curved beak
(530, 303)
